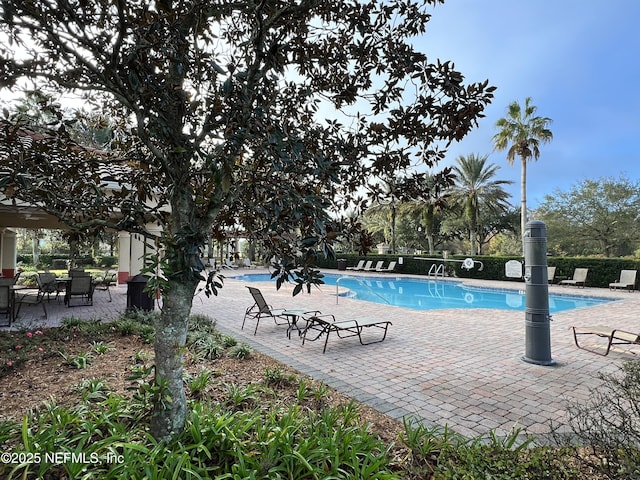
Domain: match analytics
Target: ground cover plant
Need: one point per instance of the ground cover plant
(250, 417)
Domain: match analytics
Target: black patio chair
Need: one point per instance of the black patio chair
(80, 286)
(261, 308)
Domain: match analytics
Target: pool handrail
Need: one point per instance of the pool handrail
(349, 277)
(436, 270)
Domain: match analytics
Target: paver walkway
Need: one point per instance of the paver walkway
(462, 368)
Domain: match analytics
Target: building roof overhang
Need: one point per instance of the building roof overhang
(27, 216)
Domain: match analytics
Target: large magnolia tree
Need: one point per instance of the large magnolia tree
(258, 115)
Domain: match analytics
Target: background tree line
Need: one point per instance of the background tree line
(594, 217)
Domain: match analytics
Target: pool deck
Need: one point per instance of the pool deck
(461, 368)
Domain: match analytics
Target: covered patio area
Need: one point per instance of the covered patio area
(17, 215)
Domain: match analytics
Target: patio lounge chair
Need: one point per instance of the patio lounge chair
(613, 336)
(372, 269)
(389, 268)
(247, 263)
(261, 309)
(227, 264)
(360, 266)
(627, 280)
(579, 278)
(367, 266)
(551, 274)
(325, 324)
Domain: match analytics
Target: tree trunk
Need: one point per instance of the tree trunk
(428, 220)
(35, 249)
(472, 216)
(430, 243)
(393, 228)
(170, 409)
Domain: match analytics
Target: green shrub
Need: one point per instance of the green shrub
(199, 383)
(92, 389)
(106, 261)
(451, 456)
(241, 351)
(202, 323)
(607, 426)
(79, 360)
(602, 271)
(207, 347)
(59, 263)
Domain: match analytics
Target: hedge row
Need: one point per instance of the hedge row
(60, 260)
(602, 271)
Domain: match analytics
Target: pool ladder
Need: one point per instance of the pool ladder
(436, 270)
(361, 283)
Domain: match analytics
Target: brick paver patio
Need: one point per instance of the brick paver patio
(462, 368)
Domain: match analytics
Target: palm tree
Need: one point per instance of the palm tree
(475, 190)
(386, 207)
(524, 131)
(427, 209)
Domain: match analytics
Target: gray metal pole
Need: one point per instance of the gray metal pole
(537, 319)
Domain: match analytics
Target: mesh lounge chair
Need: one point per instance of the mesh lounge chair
(627, 280)
(389, 268)
(551, 274)
(372, 269)
(579, 278)
(367, 266)
(247, 263)
(227, 264)
(613, 336)
(261, 309)
(325, 324)
(360, 266)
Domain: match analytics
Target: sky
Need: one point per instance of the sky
(579, 61)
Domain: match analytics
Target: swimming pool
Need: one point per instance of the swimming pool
(425, 294)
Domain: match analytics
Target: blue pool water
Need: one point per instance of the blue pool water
(424, 294)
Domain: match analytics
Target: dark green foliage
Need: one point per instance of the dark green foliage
(594, 217)
(258, 443)
(106, 261)
(54, 260)
(602, 271)
(446, 455)
(606, 428)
